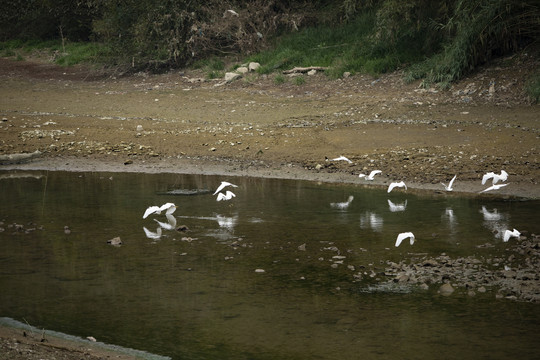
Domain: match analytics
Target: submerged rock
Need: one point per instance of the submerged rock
(446, 289)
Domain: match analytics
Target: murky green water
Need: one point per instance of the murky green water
(197, 295)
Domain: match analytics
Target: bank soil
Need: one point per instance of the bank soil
(81, 120)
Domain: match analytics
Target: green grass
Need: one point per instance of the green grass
(532, 87)
(70, 53)
(349, 47)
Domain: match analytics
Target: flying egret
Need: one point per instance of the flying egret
(397, 207)
(508, 234)
(496, 178)
(342, 158)
(227, 196)
(170, 207)
(396, 184)
(371, 175)
(343, 205)
(404, 236)
(494, 187)
(449, 187)
(223, 185)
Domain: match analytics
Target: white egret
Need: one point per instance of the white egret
(223, 185)
(342, 158)
(404, 236)
(496, 177)
(170, 207)
(494, 187)
(508, 234)
(397, 207)
(227, 196)
(371, 175)
(396, 184)
(450, 184)
(343, 205)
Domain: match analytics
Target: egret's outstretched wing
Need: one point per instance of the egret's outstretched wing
(487, 176)
(396, 184)
(151, 210)
(494, 187)
(223, 185)
(373, 173)
(452, 182)
(404, 236)
(502, 177)
(169, 207)
(342, 158)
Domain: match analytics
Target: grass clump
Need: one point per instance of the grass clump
(532, 87)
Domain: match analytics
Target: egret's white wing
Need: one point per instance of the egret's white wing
(404, 236)
(494, 187)
(487, 176)
(373, 173)
(223, 185)
(396, 184)
(342, 158)
(170, 207)
(229, 195)
(452, 182)
(151, 210)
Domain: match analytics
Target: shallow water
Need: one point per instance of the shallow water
(197, 295)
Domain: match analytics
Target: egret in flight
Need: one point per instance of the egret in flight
(169, 207)
(404, 236)
(396, 184)
(371, 175)
(508, 234)
(496, 177)
(223, 185)
(450, 184)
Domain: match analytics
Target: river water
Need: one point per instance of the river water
(284, 270)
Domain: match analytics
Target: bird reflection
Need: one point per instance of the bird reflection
(495, 221)
(397, 207)
(153, 235)
(371, 220)
(228, 222)
(343, 205)
(170, 224)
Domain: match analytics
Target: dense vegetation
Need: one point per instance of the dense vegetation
(437, 40)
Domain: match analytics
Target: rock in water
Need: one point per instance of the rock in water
(115, 241)
(446, 290)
